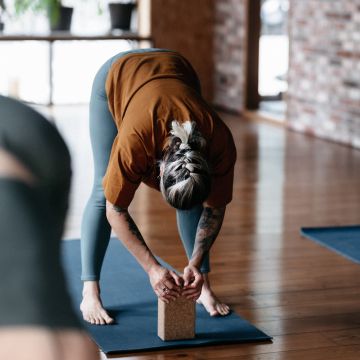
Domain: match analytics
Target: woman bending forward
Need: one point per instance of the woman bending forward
(149, 123)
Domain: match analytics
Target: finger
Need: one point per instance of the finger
(194, 295)
(171, 286)
(191, 286)
(170, 297)
(162, 295)
(186, 278)
(198, 279)
(164, 299)
(189, 281)
(166, 293)
(197, 283)
(190, 292)
(167, 284)
(171, 293)
(158, 293)
(177, 278)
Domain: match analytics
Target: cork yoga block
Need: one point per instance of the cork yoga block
(176, 320)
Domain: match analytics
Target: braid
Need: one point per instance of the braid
(186, 177)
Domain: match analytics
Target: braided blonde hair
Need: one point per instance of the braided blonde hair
(186, 180)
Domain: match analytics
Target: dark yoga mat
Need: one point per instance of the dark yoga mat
(345, 240)
(128, 296)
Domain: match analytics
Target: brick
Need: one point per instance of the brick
(176, 320)
(324, 55)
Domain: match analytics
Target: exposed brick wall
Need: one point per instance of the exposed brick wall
(211, 34)
(324, 74)
(187, 26)
(229, 53)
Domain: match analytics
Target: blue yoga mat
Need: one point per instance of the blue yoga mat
(345, 240)
(128, 296)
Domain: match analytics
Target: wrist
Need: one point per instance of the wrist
(194, 263)
(153, 268)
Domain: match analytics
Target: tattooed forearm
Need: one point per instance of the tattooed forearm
(129, 234)
(207, 231)
(211, 218)
(131, 224)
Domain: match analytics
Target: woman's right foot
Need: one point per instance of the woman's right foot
(92, 307)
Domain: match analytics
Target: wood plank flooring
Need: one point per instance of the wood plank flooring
(305, 296)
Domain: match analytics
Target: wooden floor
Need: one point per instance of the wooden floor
(305, 296)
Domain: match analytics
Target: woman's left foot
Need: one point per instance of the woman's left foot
(212, 304)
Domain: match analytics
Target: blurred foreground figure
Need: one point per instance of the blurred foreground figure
(36, 318)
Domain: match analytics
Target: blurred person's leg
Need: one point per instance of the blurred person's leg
(39, 343)
(36, 318)
(34, 292)
(34, 184)
(35, 142)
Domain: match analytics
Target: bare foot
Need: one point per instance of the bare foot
(92, 307)
(211, 303)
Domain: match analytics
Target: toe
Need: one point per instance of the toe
(224, 309)
(214, 313)
(106, 318)
(109, 320)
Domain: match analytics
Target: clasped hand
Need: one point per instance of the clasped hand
(168, 286)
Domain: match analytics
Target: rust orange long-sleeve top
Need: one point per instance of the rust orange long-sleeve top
(146, 92)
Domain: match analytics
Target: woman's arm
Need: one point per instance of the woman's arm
(129, 234)
(208, 229)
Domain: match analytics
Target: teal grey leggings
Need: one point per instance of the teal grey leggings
(95, 229)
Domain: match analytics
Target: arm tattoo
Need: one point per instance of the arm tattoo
(132, 226)
(208, 229)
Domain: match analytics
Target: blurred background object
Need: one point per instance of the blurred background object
(121, 14)
(253, 57)
(40, 79)
(2, 15)
(58, 15)
(274, 56)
